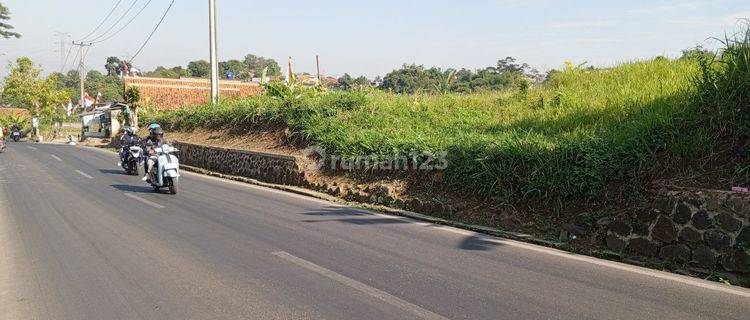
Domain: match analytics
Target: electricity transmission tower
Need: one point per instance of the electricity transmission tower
(63, 36)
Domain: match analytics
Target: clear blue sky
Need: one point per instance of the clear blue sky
(374, 37)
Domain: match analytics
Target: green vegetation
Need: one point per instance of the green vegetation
(418, 79)
(251, 66)
(724, 84)
(24, 88)
(7, 120)
(566, 138)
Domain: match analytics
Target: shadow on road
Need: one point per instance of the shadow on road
(132, 188)
(362, 221)
(337, 212)
(113, 171)
(477, 243)
(356, 217)
(348, 216)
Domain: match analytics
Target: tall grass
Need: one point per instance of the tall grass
(724, 85)
(565, 139)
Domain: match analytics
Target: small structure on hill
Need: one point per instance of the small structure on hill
(103, 121)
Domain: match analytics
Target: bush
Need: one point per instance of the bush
(724, 84)
(565, 139)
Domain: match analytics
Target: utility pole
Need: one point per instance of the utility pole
(317, 63)
(62, 42)
(214, 58)
(81, 74)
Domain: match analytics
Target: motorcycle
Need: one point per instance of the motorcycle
(15, 135)
(166, 171)
(131, 159)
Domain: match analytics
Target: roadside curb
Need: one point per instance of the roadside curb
(378, 208)
(604, 255)
(383, 209)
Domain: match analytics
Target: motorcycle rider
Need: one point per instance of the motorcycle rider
(155, 139)
(14, 129)
(126, 141)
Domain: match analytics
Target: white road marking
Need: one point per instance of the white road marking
(56, 157)
(533, 247)
(150, 203)
(705, 284)
(413, 309)
(84, 174)
(30, 147)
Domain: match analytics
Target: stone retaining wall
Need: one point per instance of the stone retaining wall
(261, 166)
(706, 229)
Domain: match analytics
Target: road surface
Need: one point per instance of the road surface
(80, 240)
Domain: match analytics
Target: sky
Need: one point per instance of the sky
(374, 37)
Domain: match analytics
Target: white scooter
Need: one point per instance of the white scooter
(166, 173)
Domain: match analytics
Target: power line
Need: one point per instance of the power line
(152, 32)
(103, 21)
(65, 64)
(125, 25)
(116, 22)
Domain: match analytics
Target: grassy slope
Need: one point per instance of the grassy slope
(566, 139)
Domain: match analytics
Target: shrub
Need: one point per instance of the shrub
(565, 139)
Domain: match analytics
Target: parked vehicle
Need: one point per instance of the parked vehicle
(166, 170)
(131, 159)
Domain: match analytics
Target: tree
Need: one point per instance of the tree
(25, 89)
(697, 53)
(509, 65)
(345, 82)
(361, 81)
(412, 78)
(110, 87)
(237, 67)
(5, 29)
(256, 64)
(112, 66)
(199, 69)
(416, 78)
(172, 73)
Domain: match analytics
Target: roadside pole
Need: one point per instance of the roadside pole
(214, 58)
(81, 74)
(317, 63)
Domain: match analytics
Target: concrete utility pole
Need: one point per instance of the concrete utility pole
(62, 42)
(214, 58)
(81, 74)
(317, 63)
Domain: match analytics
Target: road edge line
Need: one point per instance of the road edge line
(601, 258)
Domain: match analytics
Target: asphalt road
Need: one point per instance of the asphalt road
(80, 240)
